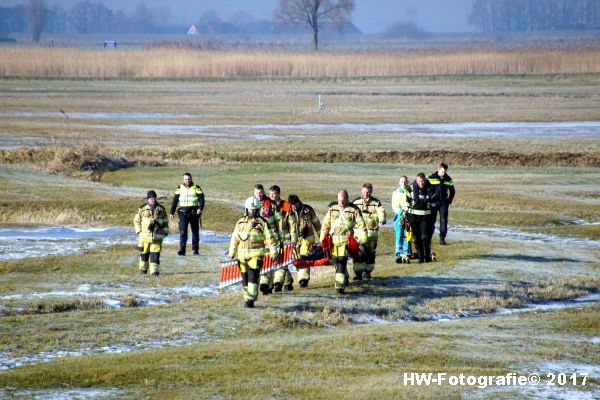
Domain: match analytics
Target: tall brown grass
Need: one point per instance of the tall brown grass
(190, 63)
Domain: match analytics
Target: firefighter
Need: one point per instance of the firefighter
(374, 216)
(400, 206)
(268, 210)
(307, 227)
(191, 204)
(250, 238)
(151, 225)
(445, 193)
(283, 277)
(342, 219)
(421, 196)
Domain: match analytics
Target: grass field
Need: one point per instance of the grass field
(524, 239)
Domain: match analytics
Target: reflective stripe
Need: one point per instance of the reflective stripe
(434, 181)
(419, 212)
(449, 183)
(188, 196)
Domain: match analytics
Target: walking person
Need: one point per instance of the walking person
(374, 216)
(249, 240)
(151, 225)
(444, 186)
(421, 196)
(342, 220)
(401, 225)
(307, 227)
(191, 204)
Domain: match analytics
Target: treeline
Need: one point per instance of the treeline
(88, 17)
(535, 15)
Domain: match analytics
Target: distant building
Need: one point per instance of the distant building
(193, 30)
(110, 44)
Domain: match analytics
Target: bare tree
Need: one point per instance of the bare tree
(313, 13)
(36, 18)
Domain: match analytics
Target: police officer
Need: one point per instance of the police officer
(421, 195)
(342, 219)
(445, 194)
(307, 227)
(151, 225)
(248, 242)
(191, 203)
(374, 215)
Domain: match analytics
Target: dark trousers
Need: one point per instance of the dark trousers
(443, 211)
(421, 228)
(189, 217)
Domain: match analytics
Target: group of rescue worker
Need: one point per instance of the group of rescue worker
(270, 221)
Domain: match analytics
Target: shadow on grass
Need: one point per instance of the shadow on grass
(535, 259)
(375, 296)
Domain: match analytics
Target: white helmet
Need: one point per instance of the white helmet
(252, 203)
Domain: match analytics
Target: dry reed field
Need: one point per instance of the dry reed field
(52, 62)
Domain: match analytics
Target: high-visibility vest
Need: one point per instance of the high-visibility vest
(188, 196)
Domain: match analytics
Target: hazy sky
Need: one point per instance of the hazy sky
(371, 16)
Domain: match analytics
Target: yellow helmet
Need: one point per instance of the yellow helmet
(252, 203)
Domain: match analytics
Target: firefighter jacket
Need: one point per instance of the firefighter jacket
(420, 201)
(151, 223)
(373, 214)
(252, 238)
(189, 197)
(286, 222)
(444, 187)
(307, 225)
(340, 222)
(400, 200)
(268, 210)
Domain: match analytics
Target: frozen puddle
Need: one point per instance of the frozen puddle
(458, 130)
(113, 295)
(18, 243)
(529, 237)
(64, 394)
(583, 301)
(7, 361)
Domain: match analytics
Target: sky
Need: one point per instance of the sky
(370, 16)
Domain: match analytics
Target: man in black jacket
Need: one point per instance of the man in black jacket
(445, 194)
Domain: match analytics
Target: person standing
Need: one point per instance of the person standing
(400, 207)
(342, 220)
(191, 204)
(445, 194)
(421, 196)
(374, 216)
(249, 240)
(307, 227)
(151, 225)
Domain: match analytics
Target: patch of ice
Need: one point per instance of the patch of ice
(7, 361)
(65, 394)
(568, 368)
(588, 299)
(25, 242)
(595, 340)
(456, 130)
(113, 303)
(530, 237)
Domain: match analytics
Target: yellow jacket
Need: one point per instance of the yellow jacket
(151, 225)
(251, 237)
(340, 222)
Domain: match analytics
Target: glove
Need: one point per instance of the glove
(151, 226)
